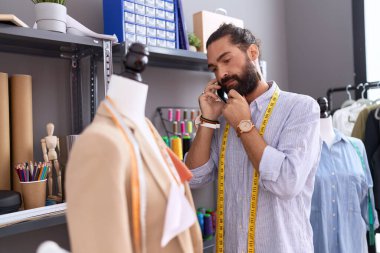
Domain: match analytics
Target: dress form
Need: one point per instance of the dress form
(326, 127)
(129, 94)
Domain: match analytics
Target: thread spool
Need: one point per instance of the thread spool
(192, 115)
(178, 114)
(184, 114)
(170, 114)
(213, 217)
(177, 147)
(189, 127)
(183, 128)
(186, 142)
(166, 140)
(208, 230)
(201, 221)
(175, 127)
(202, 210)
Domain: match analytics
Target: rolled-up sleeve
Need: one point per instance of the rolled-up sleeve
(206, 173)
(284, 170)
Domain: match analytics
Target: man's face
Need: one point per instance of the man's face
(232, 67)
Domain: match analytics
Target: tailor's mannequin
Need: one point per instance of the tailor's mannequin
(129, 97)
(326, 127)
(327, 131)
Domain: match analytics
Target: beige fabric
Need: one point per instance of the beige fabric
(359, 128)
(98, 194)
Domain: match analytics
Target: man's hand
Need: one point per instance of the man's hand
(236, 109)
(210, 104)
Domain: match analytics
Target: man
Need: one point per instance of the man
(285, 158)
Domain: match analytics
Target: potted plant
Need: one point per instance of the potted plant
(194, 42)
(51, 15)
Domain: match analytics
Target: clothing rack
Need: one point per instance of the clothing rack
(359, 89)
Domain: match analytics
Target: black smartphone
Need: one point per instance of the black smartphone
(222, 94)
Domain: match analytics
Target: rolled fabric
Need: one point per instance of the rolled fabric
(21, 122)
(5, 146)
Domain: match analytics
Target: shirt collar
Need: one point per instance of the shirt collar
(339, 136)
(264, 98)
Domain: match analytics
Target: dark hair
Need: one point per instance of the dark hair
(241, 37)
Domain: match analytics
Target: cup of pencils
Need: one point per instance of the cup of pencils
(33, 183)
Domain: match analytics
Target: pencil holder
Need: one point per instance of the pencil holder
(33, 193)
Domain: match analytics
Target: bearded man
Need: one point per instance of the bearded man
(263, 148)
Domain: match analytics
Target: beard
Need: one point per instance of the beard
(247, 82)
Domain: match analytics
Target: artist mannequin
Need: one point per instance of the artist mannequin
(49, 144)
(99, 181)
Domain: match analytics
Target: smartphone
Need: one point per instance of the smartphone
(222, 94)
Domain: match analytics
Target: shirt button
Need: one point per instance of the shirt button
(333, 186)
(333, 173)
(334, 214)
(333, 200)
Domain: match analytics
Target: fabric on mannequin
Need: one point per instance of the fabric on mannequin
(98, 181)
(327, 131)
(339, 215)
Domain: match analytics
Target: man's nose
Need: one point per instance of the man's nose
(222, 76)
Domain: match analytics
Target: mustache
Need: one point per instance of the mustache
(225, 79)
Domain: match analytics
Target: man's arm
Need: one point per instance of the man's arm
(200, 149)
(285, 169)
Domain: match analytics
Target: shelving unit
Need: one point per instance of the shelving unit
(30, 41)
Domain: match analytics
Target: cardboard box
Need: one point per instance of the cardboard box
(206, 22)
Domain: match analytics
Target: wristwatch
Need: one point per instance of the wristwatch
(244, 126)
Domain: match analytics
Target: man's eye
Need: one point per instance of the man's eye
(226, 61)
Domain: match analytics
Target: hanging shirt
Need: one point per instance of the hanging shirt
(339, 209)
(359, 128)
(372, 146)
(344, 119)
(286, 182)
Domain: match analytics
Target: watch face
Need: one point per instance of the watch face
(245, 126)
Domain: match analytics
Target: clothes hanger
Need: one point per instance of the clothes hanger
(349, 101)
(362, 100)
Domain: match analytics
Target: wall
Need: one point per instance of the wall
(320, 46)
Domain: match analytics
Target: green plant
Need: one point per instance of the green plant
(63, 2)
(194, 40)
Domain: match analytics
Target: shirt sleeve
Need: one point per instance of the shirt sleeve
(368, 191)
(206, 173)
(285, 169)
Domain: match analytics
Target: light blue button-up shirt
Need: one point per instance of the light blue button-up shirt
(339, 210)
(286, 183)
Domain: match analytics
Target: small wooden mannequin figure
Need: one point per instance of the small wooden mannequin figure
(49, 145)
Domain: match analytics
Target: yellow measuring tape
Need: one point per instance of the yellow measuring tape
(255, 186)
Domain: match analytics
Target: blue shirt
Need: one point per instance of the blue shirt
(287, 169)
(339, 209)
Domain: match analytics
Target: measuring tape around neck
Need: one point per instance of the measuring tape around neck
(255, 185)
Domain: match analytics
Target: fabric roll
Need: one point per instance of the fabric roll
(5, 152)
(21, 122)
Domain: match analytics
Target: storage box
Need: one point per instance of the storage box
(144, 21)
(206, 22)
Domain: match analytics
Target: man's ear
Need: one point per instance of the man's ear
(253, 52)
